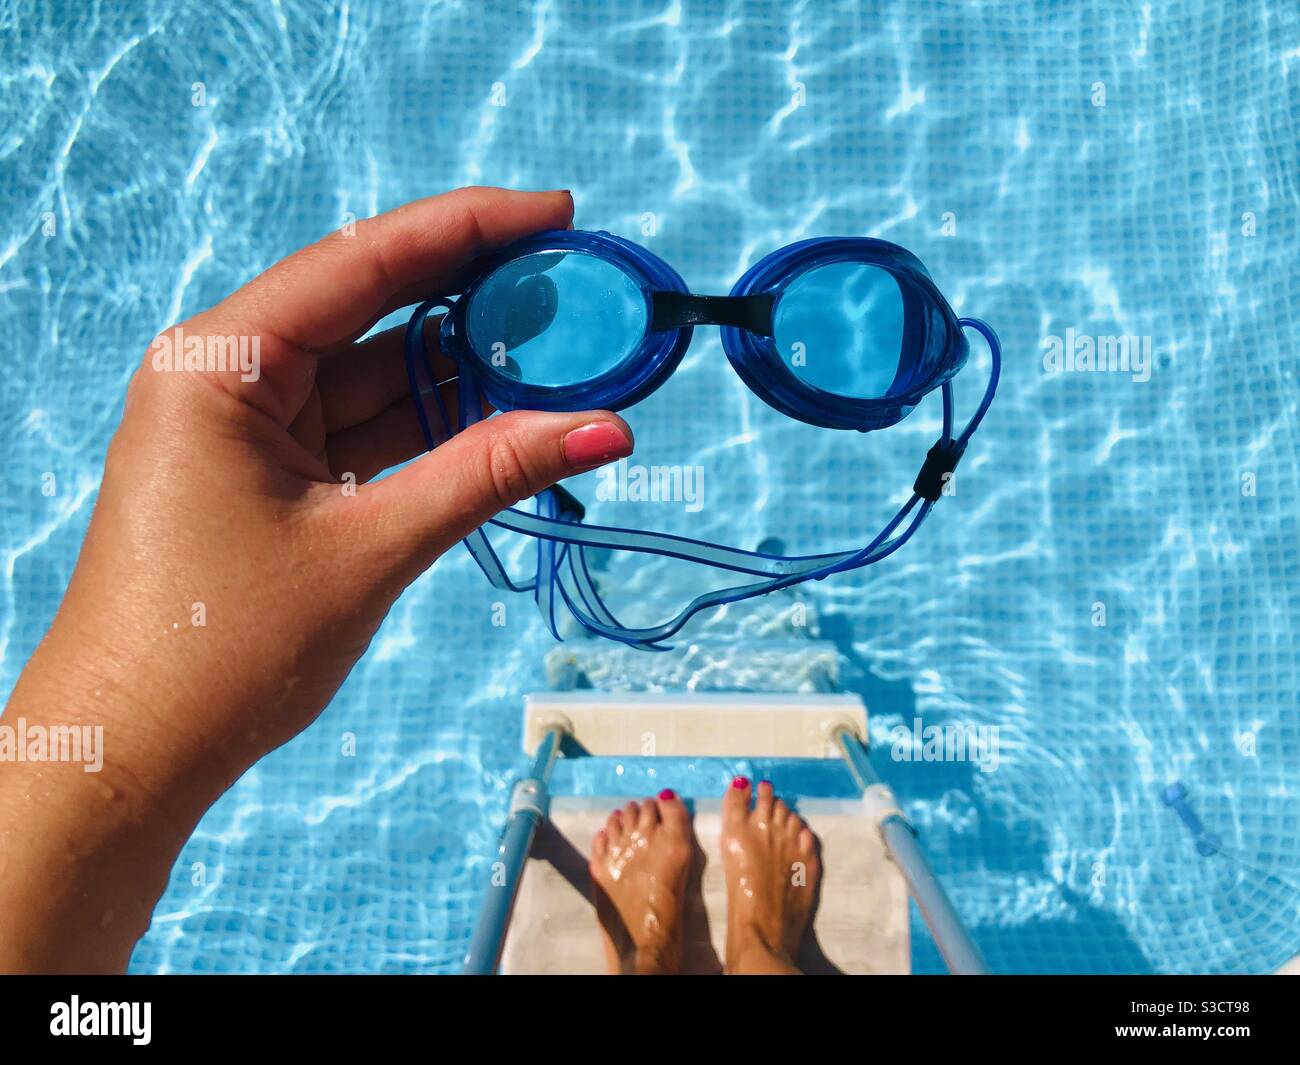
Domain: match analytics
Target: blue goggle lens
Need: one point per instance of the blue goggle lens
(556, 319)
(839, 328)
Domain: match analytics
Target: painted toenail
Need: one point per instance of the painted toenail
(667, 794)
(740, 782)
(762, 782)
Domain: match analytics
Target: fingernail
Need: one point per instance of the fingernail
(740, 782)
(667, 794)
(595, 445)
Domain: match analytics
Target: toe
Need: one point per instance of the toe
(807, 844)
(735, 803)
(614, 824)
(631, 815)
(763, 802)
(599, 845)
(780, 813)
(672, 811)
(649, 816)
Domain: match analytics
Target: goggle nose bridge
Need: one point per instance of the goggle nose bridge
(675, 310)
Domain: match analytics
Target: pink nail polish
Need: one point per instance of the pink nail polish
(668, 794)
(740, 782)
(595, 445)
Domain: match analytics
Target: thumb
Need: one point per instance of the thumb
(423, 509)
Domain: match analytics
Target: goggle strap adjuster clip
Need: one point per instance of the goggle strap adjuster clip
(940, 461)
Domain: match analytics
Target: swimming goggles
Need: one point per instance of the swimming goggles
(838, 332)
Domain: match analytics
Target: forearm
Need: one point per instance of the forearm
(84, 865)
(86, 846)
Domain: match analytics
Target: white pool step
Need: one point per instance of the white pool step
(709, 724)
(860, 925)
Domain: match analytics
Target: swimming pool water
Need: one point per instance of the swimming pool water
(1115, 584)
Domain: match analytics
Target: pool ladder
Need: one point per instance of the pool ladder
(529, 802)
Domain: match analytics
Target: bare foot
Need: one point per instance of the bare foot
(639, 864)
(770, 859)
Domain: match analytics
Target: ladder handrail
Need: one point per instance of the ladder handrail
(959, 951)
(529, 802)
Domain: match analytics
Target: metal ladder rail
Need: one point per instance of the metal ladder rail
(959, 951)
(529, 802)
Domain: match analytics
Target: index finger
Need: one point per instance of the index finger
(332, 291)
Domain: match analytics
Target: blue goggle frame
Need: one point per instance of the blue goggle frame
(934, 348)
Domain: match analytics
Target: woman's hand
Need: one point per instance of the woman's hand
(234, 572)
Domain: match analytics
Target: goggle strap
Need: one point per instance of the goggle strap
(942, 459)
(586, 586)
(995, 372)
(650, 638)
(547, 566)
(614, 538)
